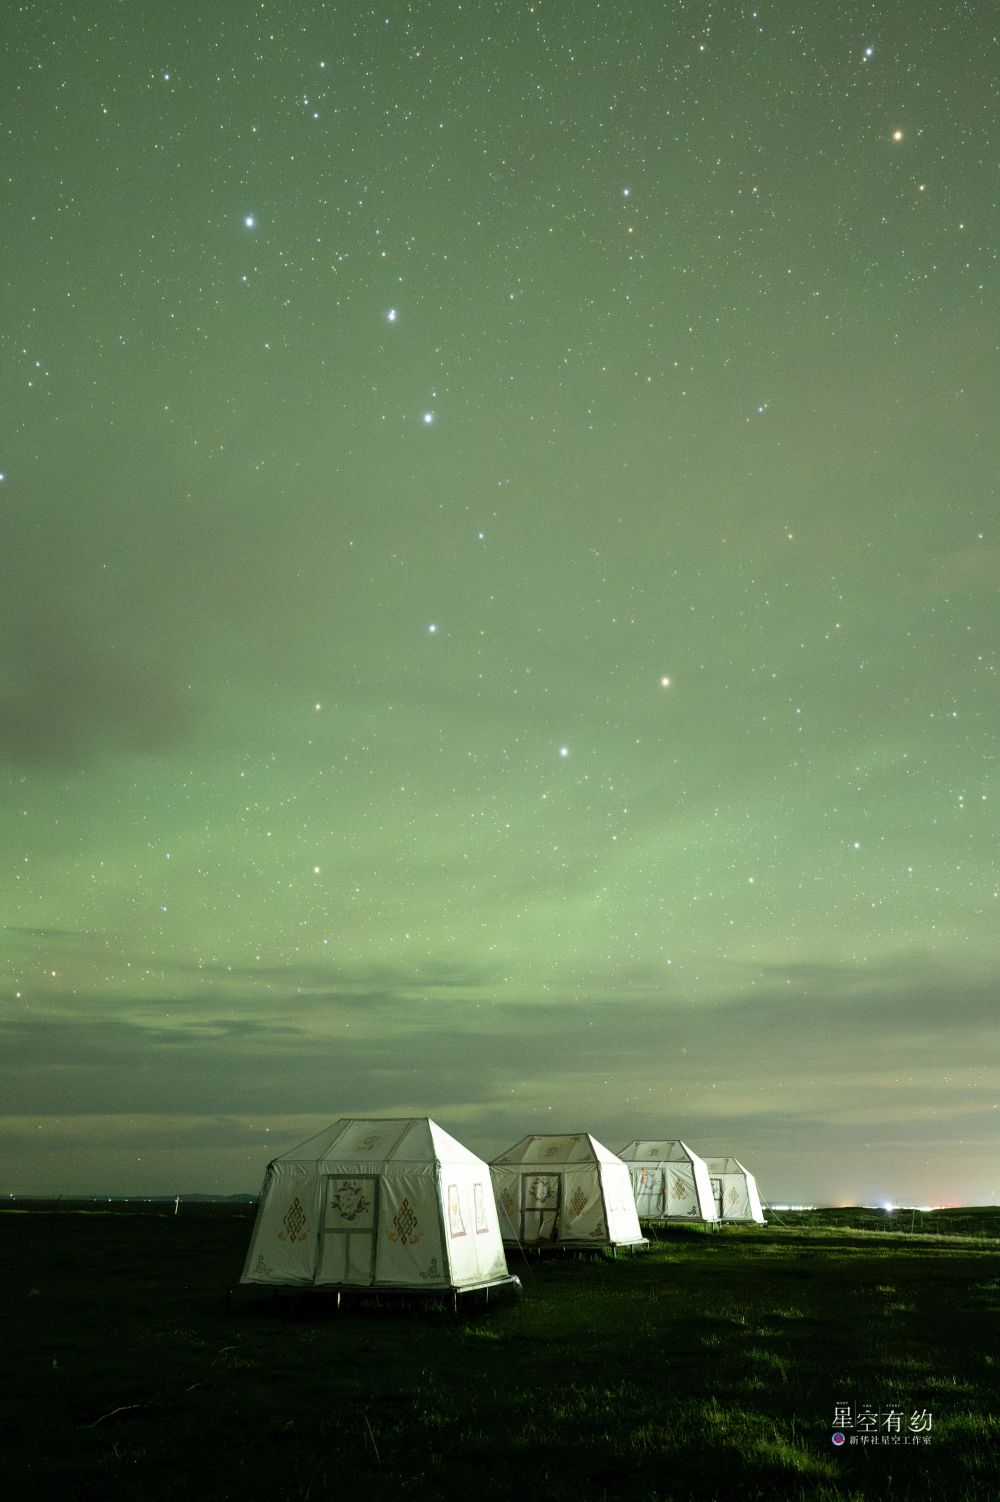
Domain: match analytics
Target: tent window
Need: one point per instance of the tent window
(456, 1225)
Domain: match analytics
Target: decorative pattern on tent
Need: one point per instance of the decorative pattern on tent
(295, 1223)
(679, 1189)
(349, 1200)
(456, 1225)
(543, 1192)
(578, 1203)
(482, 1224)
(732, 1195)
(405, 1222)
(508, 1202)
(369, 1142)
(430, 1274)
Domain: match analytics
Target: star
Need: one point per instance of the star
(250, 220)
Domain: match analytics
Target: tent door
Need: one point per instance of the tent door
(717, 1193)
(540, 1197)
(350, 1222)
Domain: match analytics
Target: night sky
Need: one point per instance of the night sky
(498, 583)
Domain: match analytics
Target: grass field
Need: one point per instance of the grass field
(708, 1367)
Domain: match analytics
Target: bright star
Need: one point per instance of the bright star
(563, 750)
(664, 682)
(391, 316)
(250, 221)
(428, 417)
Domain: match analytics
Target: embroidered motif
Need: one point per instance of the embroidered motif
(405, 1222)
(507, 1201)
(432, 1271)
(350, 1201)
(369, 1142)
(678, 1188)
(733, 1196)
(479, 1199)
(542, 1193)
(551, 1152)
(578, 1203)
(294, 1221)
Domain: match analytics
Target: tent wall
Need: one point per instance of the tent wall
(664, 1191)
(475, 1251)
(286, 1232)
(622, 1219)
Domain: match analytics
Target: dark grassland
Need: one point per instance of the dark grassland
(707, 1367)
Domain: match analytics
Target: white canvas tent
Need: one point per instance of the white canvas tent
(669, 1181)
(735, 1190)
(565, 1191)
(379, 1204)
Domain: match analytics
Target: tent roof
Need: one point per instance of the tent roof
(674, 1151)
(374, 1140)
(557, 1148)
(727, 1165)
